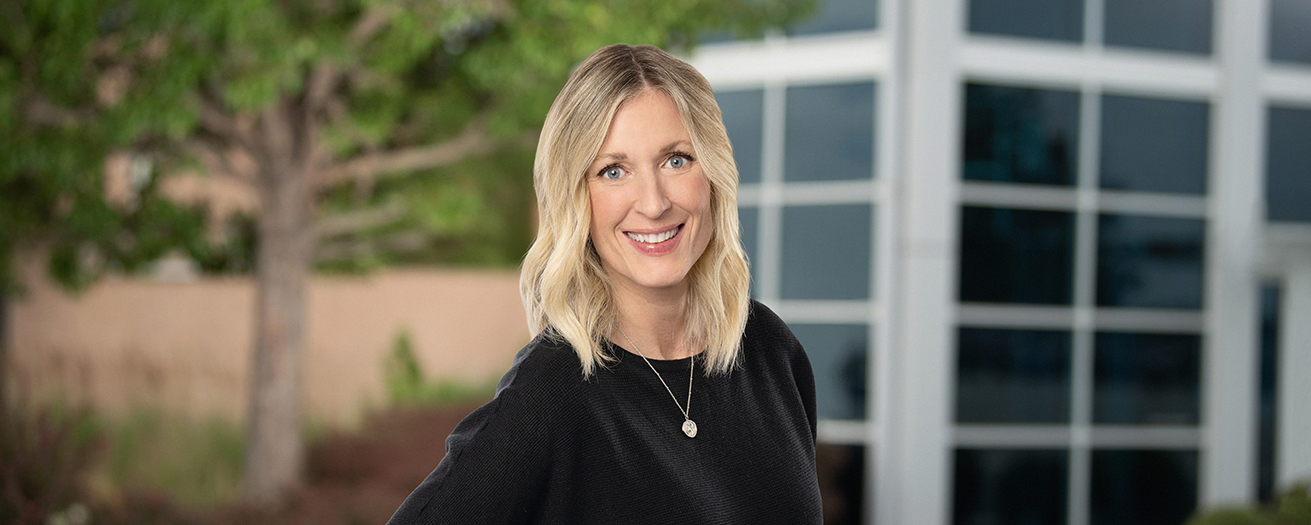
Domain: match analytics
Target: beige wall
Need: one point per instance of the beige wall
(186, 345)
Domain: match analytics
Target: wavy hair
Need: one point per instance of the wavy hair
(565, 291)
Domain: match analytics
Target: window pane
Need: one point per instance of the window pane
(1170, 25)
(841, 471)
(1289, 39)
(1143, 486)
(1016, 256)
(748, 219)
(838, 15)
(830, 132)
(1154, 145)
(1288, 165)
(837, 355)
(1147, 379)
(1047, 19)
(826, 252)
(743, 114)
(1013, 376)
(996, 486)
(1149, 262)
(1021, 135)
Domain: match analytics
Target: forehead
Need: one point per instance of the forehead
(650, 115)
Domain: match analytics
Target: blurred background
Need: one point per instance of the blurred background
(1050, 259)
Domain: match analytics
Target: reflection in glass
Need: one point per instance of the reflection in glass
(748, 218)
(1143, 486)
(1149, 262)
(1016, 256)
(1013, 376)
(1147, 379)
(1289, 39)
(743, 114)
(826, 251)
(829, 132)
(1288, 164)
(841, 470)
(1154, 145)
(1000, 486)
(1046, 19)
(837, 355)
(1168, 25)
(838, 15)
(1021, 135)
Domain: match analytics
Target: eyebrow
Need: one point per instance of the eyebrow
(671, 147)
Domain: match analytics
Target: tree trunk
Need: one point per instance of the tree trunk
(274, 454)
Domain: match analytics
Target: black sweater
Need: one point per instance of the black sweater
(552, 447)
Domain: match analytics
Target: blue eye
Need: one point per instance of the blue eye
(678, 161)
(612, 172)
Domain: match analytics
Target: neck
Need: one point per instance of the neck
(655, 322)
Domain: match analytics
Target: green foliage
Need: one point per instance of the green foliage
(196, 463)
(1292, 508)
(408, 386)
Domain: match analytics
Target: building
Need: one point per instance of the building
(1051, 259)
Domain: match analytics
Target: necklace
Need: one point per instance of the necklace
(689, 426)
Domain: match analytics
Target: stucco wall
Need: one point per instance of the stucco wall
(186, 345)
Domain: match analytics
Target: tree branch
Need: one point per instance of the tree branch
(471, 142)
(356, 221)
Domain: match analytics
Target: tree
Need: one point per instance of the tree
(300, 98)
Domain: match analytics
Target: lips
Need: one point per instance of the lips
(655, 238)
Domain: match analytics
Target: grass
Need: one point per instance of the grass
(196, 463)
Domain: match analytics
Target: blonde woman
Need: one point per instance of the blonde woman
(655, 390)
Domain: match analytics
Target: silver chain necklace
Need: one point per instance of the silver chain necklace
(689, 426)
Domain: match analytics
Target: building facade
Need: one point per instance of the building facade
(1051, 259)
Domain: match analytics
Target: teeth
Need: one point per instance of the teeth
(653, 238)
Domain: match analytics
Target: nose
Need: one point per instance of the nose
(652, 198)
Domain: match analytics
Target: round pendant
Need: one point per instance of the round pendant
(689, 428)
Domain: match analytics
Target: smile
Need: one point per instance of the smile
(655, 238)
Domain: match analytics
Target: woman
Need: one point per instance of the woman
(636, 282)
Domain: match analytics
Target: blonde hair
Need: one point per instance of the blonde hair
(564, 289)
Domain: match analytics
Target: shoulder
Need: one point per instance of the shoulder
(545, 364)
(764, 327)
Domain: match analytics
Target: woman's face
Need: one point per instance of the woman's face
(650, 200)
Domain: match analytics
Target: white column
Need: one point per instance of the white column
(1230, 352)
(1293, 438)
(926, 292)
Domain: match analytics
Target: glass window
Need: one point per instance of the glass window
(1267, 423)
(826, 252)
(1154, 145)
(830, 132)
(1147, 378)
(837, 354)
(1149, 262)
(1016, 256)
(1289, 39)
(999, 486)
(1288, 165)
(748, 219)
(1047, 19)
(743, 116)
(832, 16)
(1013, 376)
(1169, 25)
(841, 470)
(1021, 135)
(1143, 486)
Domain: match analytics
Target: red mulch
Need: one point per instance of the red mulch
(351, 478)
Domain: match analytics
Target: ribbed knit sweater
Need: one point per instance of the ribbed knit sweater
(552, 447)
